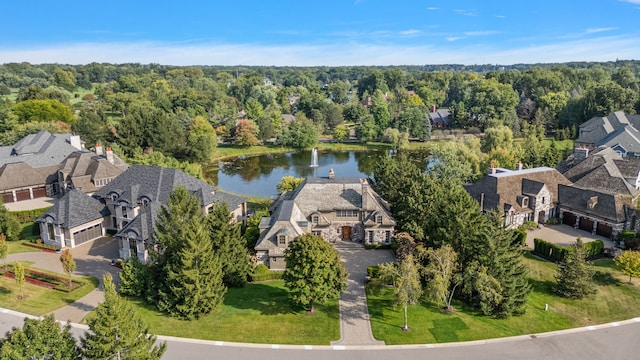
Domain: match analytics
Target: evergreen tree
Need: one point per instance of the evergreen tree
(116, 332)
(228, 245)
(189, 275)
(9, 225)
(133, 277)
(40, 339)
(574, 278)
(314, 272)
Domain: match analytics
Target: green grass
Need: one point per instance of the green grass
(16, 247)
(257, 313)
(40, 300)
(30, 231)
(614, 301)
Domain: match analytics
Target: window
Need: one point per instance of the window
(314, 219)
(114, 196)
(525, 201)
(282, 240)
(387, 236)
(133, 247)
(347, 213)
(114, 221)
(273, 259)
(543, 200)
(52, 235)
(317, 233)
(124, 212)
(371, 237)
(379, 220)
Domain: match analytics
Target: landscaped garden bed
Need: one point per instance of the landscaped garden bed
(43, 279)
(38, 244)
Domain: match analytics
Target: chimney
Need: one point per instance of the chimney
(579, 154)
(492, 168)
(365, 194)
(519, 165)
(98, 149)
(433, 108)
(331, 173)
(74, 140)
(109, 155)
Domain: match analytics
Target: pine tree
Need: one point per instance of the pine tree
(314, 272)
(116, 332)
(188, 274)
(228, 245)
(574, 278)
(9, 225)
(40, 339)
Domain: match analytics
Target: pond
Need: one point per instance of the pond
(259, 175)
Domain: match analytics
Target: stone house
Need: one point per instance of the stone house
(336, 209)
(128, 206)
(520, 195)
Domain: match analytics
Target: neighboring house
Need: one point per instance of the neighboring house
(439, 117)
(88, 171)
(127, 205)
(618, 131)
(604, 195)
(519, 195)
(28, 168)
(332, 208)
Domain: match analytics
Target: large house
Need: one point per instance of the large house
(126, 205)
(333, 208)
(520, 195)
(604, 196)
(618, 131)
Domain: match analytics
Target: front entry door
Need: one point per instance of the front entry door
(346, 233)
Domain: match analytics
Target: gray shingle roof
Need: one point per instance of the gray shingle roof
(609, 206)
(74, 209)
(85, 167)
(17, 175)
(38, 150)
(142, 225)
(596, 129)
(232, 201)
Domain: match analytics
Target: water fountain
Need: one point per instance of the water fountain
(314, 158)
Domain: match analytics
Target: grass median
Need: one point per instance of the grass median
(614, 301)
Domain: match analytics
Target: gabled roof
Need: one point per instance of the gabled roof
(83, 168)
(502, 189)
(609, 206)
(20, 174)
(606, 171)
(142, 225)
(74, 209)
(155, 183)
(39, 150)
(598, 128)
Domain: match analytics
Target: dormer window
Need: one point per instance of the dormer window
(113, 196)
(314, 219)
(379, 219)
(592, 202)
(143, 202)
(282, 240)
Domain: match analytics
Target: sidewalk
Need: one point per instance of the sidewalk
(355, 327)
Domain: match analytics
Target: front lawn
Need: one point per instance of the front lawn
(614, 301)
(257, 313)
(40, 300)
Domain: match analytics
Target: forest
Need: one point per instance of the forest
(178, 116)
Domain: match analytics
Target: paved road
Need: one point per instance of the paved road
(355, 327)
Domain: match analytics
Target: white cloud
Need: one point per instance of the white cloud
(410, 32)
(500, 16)
(465, 12)
(433, 8)
(480, 33)
(353, 53)
(637, 2)
(453, 38)
(599, 30)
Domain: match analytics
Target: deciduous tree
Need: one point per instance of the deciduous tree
(629, 263)
(405, 279)
(4, 249)
(314, 272)
(288, 183)
(18, 272)
(440, 271)
(68, 263)
(9, 225)
(117, 332)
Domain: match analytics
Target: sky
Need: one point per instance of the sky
(319, 32)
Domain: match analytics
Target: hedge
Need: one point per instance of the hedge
(262, 273)
(557, 253)
(27, 216)
(377, 246)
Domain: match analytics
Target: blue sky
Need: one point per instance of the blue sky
(311, 32)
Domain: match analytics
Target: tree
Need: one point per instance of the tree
(18, 272)
(288, 183)
(43, 111)
(380, 111)
(9, 225)
(405, 279)
(497, 137)
(300, 134)
(228, 245)
(314, 272)
(574, 277)
(629, 263)
(40, 339)
(440, 273)
(367, 131)
(4, 249)
(341, 133)
(68, 263)
(188, 278)
(133, 277)
(201, 140)
(246, 133)
(117, 332)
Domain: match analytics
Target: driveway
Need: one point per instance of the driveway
(92, 259)
(564, 235)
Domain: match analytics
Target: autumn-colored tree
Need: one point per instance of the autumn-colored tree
(68, 263)
(629, 263)
(246, 133)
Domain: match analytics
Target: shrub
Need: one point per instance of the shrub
(377, 246)
(521, 238)
(28, 216)
(553, 221)
(529, 225)
(372, 271)
(557, 253)
(262, 273)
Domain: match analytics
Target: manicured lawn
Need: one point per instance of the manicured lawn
(40, 300)
(17, 247)
(30, 231)
(614, 301)
(257, 313)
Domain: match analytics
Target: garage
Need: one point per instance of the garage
(23, 195)
(7, 198)
(88, 234)
(39, 192)
(604, 230)
(569, 219)
(586, 224)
